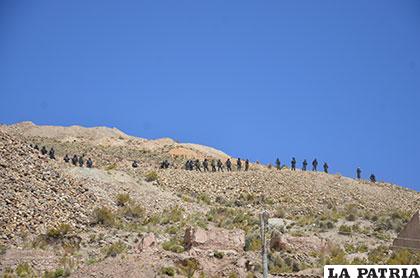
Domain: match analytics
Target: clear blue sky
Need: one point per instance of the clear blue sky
(336, 80)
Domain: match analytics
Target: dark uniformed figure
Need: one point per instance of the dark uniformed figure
(246, 165)
(278, 164)
(239, 164)
(372, 178)
(164, 164)
(81, 161)
(36, 147)
(293, 164)
(74, 160)
(89, 163)
(228, 165)
(326, 167)
(314, 164)
(66, 158)
(213, 165)
(358, 173)
(135, 164)
(191, 165)
(44, 150)
(187, 165)
(304, 165)
(197, 165)
(219, 165)
(206, 165)
(51, 153)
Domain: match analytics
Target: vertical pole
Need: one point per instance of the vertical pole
(264, 247)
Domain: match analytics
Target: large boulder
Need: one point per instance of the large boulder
(214, 239)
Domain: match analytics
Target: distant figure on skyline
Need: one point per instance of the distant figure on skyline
(293, 164)
(304, 165)
(246, 165)
(278, 164)
(358, 173)
(239, 164)
(372, 178)
(314, 165)
(326, 167)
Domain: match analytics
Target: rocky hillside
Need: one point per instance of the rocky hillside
(34, 194)
(115, 220)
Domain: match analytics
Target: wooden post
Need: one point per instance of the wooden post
(263, 217)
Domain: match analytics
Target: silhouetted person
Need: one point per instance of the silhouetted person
(36, 147)
(51, 153)
(66, 158)
(44, 150)
(81, 161)
(246, 165)
(74, 160)
(206, 165)
(219, 165)
(89, 163)
(228, 165)
(326, 167)
(314, 164)
(197, 165)
(134, 165)
(278, 164)
(213, 165)
(304, 165)
(372, 178)
(191, 165)
(358, 173)
(293, 164)
(239, 164)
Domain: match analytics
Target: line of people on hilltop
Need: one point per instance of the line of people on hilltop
(78, 161)
(44, 151)
(372, 177)
(216, 165)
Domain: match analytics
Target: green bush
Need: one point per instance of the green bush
(122, 199)
(151, 176)
(378, 255)
(344, 230)
(170, 271)
(173, 246)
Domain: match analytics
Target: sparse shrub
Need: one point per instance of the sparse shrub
(169, 271)
(58, 232)
(113, 166)
(344, 230)
(173, 215)
(253, 242)
(172, 230)
(134, 211)
(3, 249)
(338, 257)
(404, 257)
(188, 266)
(351, 217)
(173, 246)
(218, 255)
(151, 176)
(280, 212)
(103, 216)
(122, 199)
(114, 249)
(378, 255)
(204, 198)
(24, 270)
(56, 274)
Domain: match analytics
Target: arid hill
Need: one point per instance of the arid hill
(118, 221)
